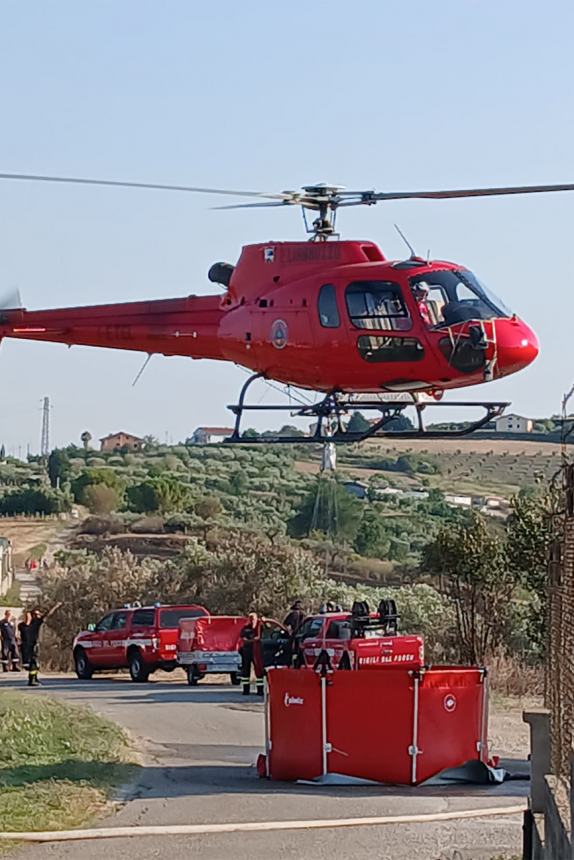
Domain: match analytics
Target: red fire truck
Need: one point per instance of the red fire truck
(359, 639)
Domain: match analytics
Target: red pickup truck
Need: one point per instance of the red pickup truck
(356, 642)
(140, 639)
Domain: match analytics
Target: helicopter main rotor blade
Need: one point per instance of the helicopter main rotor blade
(155, 186)
(310, 197)
(464, 192)
(253, 205)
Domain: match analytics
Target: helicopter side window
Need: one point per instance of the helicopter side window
(327, 307)
(377, 305)
(375, 348)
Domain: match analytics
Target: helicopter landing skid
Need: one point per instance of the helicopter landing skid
(328, 414)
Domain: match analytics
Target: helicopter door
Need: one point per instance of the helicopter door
(378, 311)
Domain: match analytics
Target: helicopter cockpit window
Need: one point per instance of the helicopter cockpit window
(327, 307)
(377, 305)
(447, 297)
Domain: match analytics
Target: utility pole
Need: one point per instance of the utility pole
(45, 443)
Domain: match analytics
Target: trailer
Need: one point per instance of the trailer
(209, 646)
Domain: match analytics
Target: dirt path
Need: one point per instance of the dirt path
(27, 535)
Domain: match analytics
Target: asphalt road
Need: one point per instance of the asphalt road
(199, 747)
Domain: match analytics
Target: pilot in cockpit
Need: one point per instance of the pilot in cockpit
(420, 294)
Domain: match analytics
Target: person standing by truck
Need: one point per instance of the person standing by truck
(293, 621)
(250, 651)
(9, 649)
(294, 618)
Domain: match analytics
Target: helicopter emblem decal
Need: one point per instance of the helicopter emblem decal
(279, 334)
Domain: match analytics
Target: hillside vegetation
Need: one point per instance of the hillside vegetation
(276, 490)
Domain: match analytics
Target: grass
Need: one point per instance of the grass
(12, 596)
(59, 764)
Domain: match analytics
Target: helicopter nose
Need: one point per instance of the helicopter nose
(517, 346)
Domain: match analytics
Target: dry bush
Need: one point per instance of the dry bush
(102, 526)
(511, 677)
(152, 525)
(87, 585)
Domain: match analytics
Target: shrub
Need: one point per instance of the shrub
(179, 523)
(165, 494)
(148, 525)
(208, 508)
(100, 499)
(105, 476)
(102, 526)
(33, 501)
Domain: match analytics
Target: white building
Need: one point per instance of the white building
(513, 424)
(210, 435)
(6, 569)
(459, 501)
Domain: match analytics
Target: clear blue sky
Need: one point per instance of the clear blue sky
(374, 93)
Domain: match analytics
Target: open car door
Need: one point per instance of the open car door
(275, 644)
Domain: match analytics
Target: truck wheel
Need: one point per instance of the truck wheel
(83, 669)
(138, 671)
(235, 679)
(193, 676)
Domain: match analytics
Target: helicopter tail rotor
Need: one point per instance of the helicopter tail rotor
(11, 301)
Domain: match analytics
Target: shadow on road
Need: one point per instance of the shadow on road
(234, 777)
(158, 692)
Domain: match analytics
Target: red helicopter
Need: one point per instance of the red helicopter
(326, 315)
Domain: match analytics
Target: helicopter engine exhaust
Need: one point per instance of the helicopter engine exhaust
(221, 273)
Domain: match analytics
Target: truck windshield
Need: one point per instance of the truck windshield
(170, 618)
(447, 296)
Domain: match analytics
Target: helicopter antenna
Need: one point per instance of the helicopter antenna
(142, 368)
(405, 240)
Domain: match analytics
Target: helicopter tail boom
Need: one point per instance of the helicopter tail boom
(186, 326)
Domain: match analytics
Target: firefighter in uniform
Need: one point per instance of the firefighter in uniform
(30, 633)
(9, 649)
(250, 651)
(23, 633)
